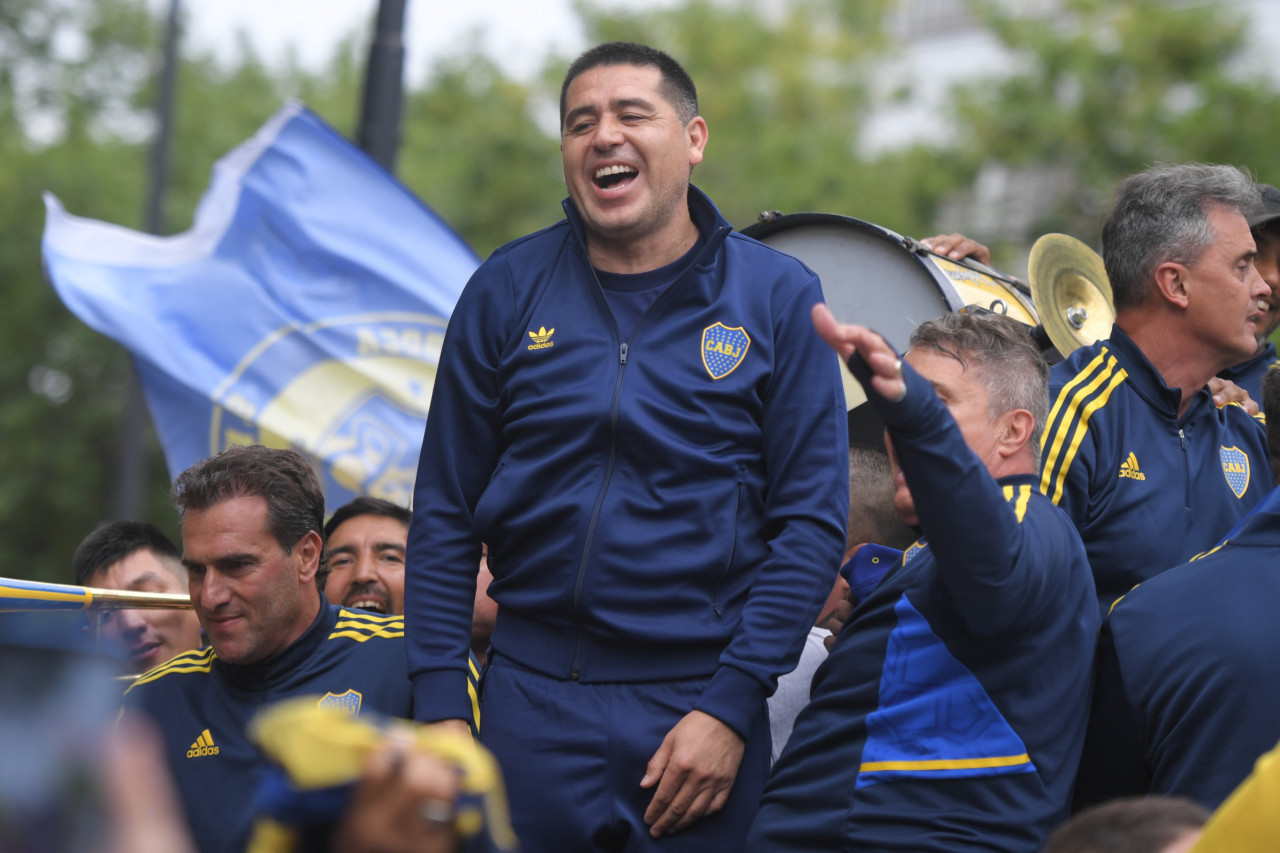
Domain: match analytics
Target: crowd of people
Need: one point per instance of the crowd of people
(641, 506)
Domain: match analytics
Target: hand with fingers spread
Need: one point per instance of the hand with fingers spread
(693, 770)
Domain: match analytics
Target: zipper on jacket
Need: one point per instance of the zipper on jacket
(623, 348)
(1186, 470)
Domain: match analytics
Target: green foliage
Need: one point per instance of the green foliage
(1110, 88)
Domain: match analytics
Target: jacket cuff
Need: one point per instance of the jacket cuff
(441, 694)
(734, 698)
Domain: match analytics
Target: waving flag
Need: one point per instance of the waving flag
(305, 307)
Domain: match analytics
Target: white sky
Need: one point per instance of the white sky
(519, 33)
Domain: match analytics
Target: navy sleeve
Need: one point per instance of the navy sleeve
(1113, 763)
(998, 573)
(444, 551)
(805, 436)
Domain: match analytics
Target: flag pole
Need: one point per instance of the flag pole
(379, 133)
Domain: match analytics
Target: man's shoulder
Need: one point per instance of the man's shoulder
(765, 259)
(174, 674)
(355, 628)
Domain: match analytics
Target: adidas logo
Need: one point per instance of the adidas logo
(202, 746)
(1129, 468)
(542, 338)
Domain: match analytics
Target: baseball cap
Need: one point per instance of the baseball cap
(1270, 208)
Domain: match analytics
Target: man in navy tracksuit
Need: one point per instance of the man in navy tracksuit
(633, 412)
(951, 712)
(1151, 471)
(251, 521)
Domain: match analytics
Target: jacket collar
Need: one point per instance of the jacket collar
(713, 227)
(290, 660)
(1147, 381)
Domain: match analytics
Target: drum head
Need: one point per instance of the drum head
(868, 275)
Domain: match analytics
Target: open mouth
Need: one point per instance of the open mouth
(370, 604)
(608, 177)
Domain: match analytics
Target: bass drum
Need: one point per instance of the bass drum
(882, 280)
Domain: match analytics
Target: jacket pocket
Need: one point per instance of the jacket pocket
(733, 543)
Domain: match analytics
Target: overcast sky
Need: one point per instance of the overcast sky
(519, 33)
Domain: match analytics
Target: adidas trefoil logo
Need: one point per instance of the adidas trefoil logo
(542, 338)
(202, 746)
(1129, 468)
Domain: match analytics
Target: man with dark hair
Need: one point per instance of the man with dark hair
(251, 520)
(365, 541)
(1135, 451)
(136, 556)
(951, 711)
(1265, 224)
(633, 413)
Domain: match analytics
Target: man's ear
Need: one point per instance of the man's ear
(1018, 426)
(1171, 280)
(309, 549)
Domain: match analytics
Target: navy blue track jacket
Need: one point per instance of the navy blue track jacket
(348, 658)
(667, 506)
(1146, 489)
(952, 709)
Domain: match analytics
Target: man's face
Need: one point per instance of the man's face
(1268, 264)
(1224, 291)
(252, 598)
(366, 559)
(149, 637)
(627, 156)
(967, 399)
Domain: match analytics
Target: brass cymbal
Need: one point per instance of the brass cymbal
(1071, 292)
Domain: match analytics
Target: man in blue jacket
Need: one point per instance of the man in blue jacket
(951, 711)
(633, 412)
(251, 520)
(1135, 450)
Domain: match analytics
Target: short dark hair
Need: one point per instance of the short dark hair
(112, 541)
(1003, 356)
(677, 85)
(1159, 216)
(1128, 825)
(365, 505)
(283, 478)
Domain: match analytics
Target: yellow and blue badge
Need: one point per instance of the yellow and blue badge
(1235, 467)
(723, 349)
(348, 702)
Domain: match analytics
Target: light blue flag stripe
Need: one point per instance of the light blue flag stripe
(306, 307)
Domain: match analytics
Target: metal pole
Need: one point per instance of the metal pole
(131, 476)
(379, 133)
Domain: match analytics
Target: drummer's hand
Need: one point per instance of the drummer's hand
(1225, 391)
(845, 339)
(958, 246)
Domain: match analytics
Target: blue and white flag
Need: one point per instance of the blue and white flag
(306, 307)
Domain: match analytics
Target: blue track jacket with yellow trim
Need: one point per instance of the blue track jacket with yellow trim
(664, 507)
(348, 658)
(1146, 490)
(1188, 685)
(1248, 375)
(951, 712)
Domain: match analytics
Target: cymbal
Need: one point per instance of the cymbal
(1071, 292)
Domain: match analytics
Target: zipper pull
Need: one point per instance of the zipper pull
(1182, 437)
(622, 354)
